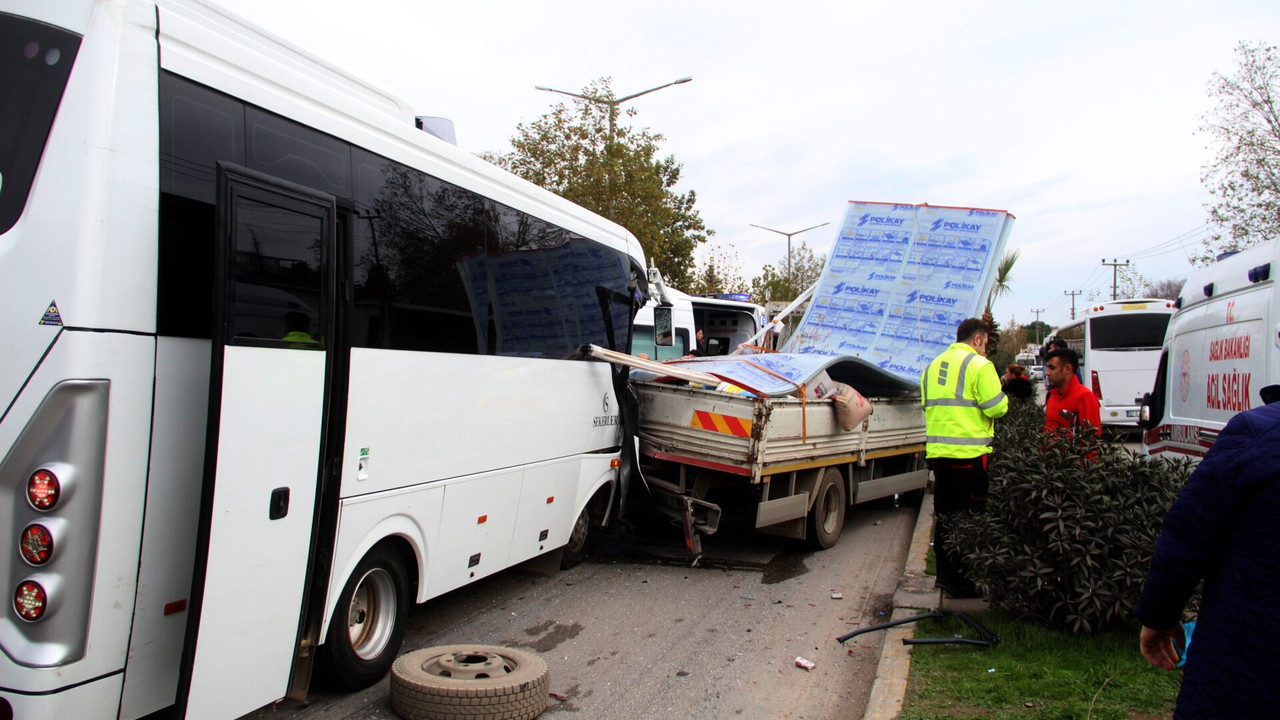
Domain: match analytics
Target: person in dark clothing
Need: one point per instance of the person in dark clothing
(1222, 528)
(1015, 384)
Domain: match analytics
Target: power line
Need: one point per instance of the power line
(1073, 294)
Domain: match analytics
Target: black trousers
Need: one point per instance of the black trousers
(959, 485)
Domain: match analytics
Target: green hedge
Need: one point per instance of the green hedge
(1070, 526)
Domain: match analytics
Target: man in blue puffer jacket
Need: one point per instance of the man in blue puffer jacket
(1225, 528)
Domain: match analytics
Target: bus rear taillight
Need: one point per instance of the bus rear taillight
(30, 601)
(43, 490)
(1097, 386)
(36, 544)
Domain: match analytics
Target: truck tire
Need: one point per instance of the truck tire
(575, 551)
(368, 622)
(469, 682)
(826, 517)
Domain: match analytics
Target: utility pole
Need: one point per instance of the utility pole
(1037, 312)
(1073, 294)
(1115, 273)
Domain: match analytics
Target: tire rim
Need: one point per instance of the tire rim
(470, 665)
(830, 509)
(372, 614)
(578, 536)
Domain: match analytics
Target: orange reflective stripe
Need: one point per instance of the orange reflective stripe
(715, 422)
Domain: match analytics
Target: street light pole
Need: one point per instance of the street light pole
(790, 279)
(613, 105)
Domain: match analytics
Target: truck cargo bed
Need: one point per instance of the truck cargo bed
(755, 436)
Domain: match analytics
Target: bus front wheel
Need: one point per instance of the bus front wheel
(368, 622)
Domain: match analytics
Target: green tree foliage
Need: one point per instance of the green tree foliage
(1244, 176)
(774, 283)
(1002, 284)
(569, 151)
(1012, 338)
(721, 272)
(1071, 524)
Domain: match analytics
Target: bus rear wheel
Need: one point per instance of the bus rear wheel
(368, 622)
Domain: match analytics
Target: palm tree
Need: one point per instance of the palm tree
(1001, 287)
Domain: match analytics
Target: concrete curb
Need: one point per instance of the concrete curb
(915, 593)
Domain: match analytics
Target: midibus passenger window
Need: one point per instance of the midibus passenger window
(277, 275)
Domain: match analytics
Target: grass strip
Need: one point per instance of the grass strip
(1034, 672)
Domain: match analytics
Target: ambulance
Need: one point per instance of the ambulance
(1220, 351)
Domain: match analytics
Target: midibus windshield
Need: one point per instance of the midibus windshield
(35, 61)
(1135, 331)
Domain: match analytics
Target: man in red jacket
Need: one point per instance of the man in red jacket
(1068, 404)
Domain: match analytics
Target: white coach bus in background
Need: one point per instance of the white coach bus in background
(1119, 346)
(276, 364)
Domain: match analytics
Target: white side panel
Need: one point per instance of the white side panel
(409, 513)
(424, 417)
(87, 238)
(478, 522)
(94, 700)
(169, 530)
(548, 503)
(269, 437)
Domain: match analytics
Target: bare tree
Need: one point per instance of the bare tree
(1244, 177)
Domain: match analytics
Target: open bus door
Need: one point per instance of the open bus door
(272, 342)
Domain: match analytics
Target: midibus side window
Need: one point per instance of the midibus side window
(35, 62)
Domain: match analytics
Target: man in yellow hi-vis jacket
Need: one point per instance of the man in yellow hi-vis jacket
(962, 398)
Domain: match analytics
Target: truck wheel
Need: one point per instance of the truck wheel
(368, 622)
(575, 551)
(826, 517)
(471, 682)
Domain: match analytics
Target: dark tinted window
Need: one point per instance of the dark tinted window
(276, 271)
(198, 128)
(289, 151)
(433, 266)
(35, 61)
(1129, 331)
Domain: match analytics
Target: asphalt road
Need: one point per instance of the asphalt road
(636, 632)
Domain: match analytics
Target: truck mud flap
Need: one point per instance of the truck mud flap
(772, 512)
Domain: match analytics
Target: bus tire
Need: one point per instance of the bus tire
(471, 682)
(368, 622)
(826, 517)
(575, 551)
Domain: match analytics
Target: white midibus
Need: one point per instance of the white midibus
(1119, 345)
(275, 365)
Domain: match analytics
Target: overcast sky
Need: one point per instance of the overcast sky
(1080, 118)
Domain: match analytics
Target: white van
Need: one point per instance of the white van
(725, 325)
(1219, 352)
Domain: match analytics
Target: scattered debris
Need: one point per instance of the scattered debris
(559, 696)
(802, 663)
(682, 673)
(991, 670)
(1028, 704)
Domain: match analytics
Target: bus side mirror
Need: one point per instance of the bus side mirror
(663, 326)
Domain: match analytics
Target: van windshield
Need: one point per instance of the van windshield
(35, 61)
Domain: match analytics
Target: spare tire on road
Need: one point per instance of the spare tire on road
(469, 682)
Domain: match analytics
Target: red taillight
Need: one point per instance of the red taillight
(43, 490)
(30, 601)
(36, 544)
(1097, 387)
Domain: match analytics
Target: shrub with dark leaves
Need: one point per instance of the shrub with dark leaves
(1071, 524)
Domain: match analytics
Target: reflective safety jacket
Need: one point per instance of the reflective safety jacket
(961, 394)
